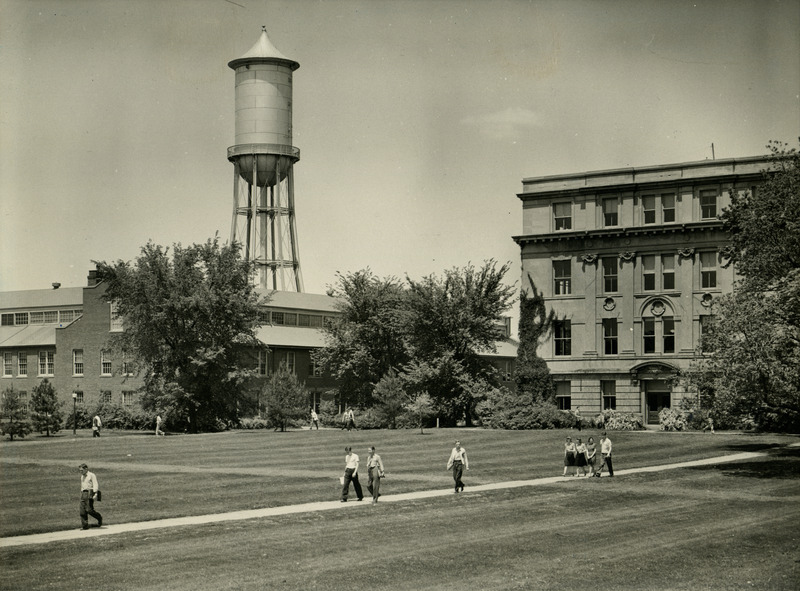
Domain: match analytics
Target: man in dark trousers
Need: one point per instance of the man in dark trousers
(89, 491)
(605, 451)
(351, 475)
(458, 461)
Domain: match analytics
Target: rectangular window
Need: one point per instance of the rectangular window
(36, 318)
(708, 270)
(290, 319)
(105, 363)
(563, 395)
(649, 334)
(610, 274)
(46, 363)
(610, 212)
(23, 401)
(649, 209)
(705, 324)
(79, 397)
(21, 318)
(315, 369)
(562, 337)
(77, 362)
(51, 317)
(65, 316)
(668, 326)
(261, 365)
(667, 272)
(8, 365)
(609, 390)
(708, 204)
(668, 208)
(6, 320)
(648, 272)
(288, 359)
(562, 216)
(127, 398)
(105, 397)
(562, 277)
(116, 319)
(277, 318)
(22, 364)
(263, 316)
(610, 336)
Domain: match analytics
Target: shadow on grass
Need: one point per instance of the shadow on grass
(780, 463)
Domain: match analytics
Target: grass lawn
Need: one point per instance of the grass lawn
(725, 526)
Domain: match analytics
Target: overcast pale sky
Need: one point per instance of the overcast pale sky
(416, 120)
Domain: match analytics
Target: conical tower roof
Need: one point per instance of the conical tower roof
(263, 52)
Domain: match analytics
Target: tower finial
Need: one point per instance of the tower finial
(264, 28)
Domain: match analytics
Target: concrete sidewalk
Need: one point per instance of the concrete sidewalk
(106, 530)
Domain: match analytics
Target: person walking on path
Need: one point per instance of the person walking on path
(569, 455)
(348, 419)
(591, 455)
(605, 451)
(375, 473)
(158, 426)
(458, 462)
(351, 475)
(314, 420)
(96, 425)
(89, 491)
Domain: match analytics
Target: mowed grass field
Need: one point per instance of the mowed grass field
(722, 526)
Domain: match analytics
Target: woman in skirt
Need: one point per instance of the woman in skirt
(569, 455)
(581, 460)
(591, 455)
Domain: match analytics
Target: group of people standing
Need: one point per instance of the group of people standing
(583, 456)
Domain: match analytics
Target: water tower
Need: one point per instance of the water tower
(263, 158)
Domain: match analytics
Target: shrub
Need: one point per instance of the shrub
(328, 414)
(371, 418)
(254, 423)
(504, 409)
(81, 416)
(672, 419)
(617, 421)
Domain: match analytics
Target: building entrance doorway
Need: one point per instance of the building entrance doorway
(658, 395)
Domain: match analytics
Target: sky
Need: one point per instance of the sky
(416, 120)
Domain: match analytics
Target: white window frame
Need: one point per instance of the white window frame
(77, 362)
(560, 219)
(8, 364)
(22, 364)
(47, 363)
(105, 364)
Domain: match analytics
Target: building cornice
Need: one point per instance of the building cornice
(690, 228)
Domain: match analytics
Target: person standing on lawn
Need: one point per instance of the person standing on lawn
(457, 462)
(580, 457)
(375, 472)
(569, 455)
(158, 426)
(96, 426)
(605, 451)
(351, 475)
(314, 420)
(591, 455)
(89, 490)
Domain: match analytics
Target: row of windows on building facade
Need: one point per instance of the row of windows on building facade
(608, 395)
(40, 317)
(657, 272)
(654, 209)
(127, 398)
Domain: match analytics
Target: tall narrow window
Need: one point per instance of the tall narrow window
(77, 362)
(649, 209)
(562, 216)
(79, 397)
(668, 208)
(705, 325)
(609, 391)
(262, 366)
(610, 212)
(105, 363)
(105, 396)
(708, 270)
(649, 334)
(563, 395)
(23, 401)
(46, 363)
(127, 398)
(562, 337)
(116, 320)
(667, 272)
(288, 360)
(610, 336)
(648, 272)
(708, 204)
(22, 364)
(127, 365)
(8, 365)
(562, 277)
(668, 326)
(610, 274)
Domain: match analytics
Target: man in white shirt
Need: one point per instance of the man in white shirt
(605, 451)
(314, 420)
(351, 475)
(458, 461)
(89, 490)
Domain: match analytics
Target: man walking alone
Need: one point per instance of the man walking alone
(89, 490)
(458, 461)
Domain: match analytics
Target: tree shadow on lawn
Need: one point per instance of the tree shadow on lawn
(780, 463)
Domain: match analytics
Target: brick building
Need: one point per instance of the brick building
(630, 260)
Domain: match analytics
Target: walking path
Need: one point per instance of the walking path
(106, 530)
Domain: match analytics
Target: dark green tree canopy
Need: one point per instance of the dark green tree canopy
(186, 318)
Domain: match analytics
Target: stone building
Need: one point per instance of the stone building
(631, 260)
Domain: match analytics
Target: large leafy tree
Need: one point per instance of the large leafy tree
(186, 316)
(366, 341)
(450, 322)
(45, 408)
(753, 372)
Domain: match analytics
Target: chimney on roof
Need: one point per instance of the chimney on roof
(56, 285)
(92, 280)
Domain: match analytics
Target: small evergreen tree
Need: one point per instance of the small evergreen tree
(285, 397)
(45, 408)
(422, 408)
(391, 397)
(14, 412)
(531, 373)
